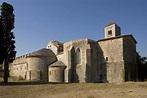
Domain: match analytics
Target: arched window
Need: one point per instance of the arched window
(110, 32)
(78, 56)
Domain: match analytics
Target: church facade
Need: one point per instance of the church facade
(112, 59)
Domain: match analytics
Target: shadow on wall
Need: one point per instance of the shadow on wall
(102, 66)
(73, 71)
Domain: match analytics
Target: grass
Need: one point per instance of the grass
(14, 79)
(90, 97)
(25, 89)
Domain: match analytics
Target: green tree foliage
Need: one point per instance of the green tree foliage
(142, 67)
(7, 47)
(0, 67)
(1, 42)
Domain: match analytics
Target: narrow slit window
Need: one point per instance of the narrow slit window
(106, 58)
(78, 56)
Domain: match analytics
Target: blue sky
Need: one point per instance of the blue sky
(39, 21)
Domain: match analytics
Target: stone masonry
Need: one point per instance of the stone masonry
(112, 59)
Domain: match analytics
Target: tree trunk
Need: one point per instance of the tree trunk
(6, 71)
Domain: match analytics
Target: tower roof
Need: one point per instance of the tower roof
(111, 23)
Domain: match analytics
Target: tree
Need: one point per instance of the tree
(142, 67)
(7, 47)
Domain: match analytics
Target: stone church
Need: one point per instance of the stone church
(112, 59)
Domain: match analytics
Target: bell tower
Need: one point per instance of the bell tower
(112, 30)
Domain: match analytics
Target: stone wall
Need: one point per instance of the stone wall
(112, 49)
(115, 72)
(19, 70)
(129, 52)
(39, 64)
(76, 71)
(113, 29)
(85, 69)
(52, 47)
(19, 67)
(118, 58)
(60, 57)
(111, 59)
(34, 75)
(92, 70)
(55, 46)
(108, 60)
(33, 66)
(56, 74)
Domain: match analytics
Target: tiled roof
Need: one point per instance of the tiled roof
(58, 64)
(111, 23)
(42, 52)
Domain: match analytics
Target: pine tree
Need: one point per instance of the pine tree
(7, 47)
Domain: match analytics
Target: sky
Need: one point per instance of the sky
(39, 21)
